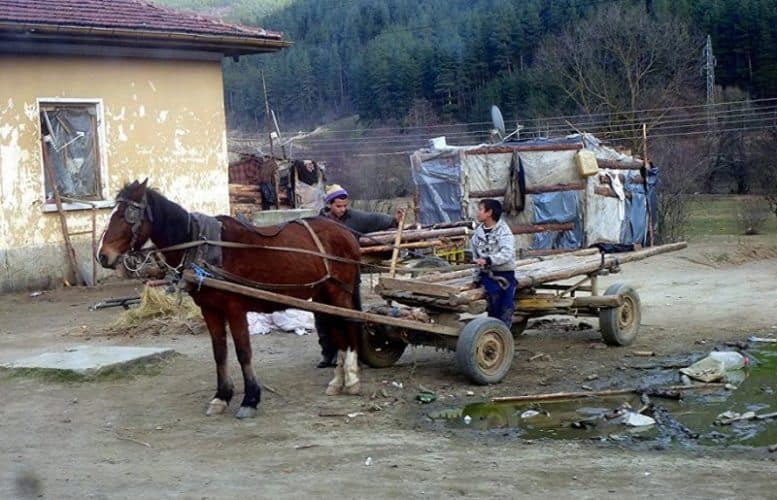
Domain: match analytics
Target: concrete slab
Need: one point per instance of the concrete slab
(89, 360)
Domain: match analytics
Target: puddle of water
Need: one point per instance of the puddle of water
(756, 391)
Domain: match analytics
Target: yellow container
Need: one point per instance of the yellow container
(586, 162)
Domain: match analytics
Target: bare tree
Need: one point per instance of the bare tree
(683, 165)
(621, 61)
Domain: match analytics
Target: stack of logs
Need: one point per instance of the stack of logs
(445, 235)
(244, 199)
(453, 290)
(430, 236)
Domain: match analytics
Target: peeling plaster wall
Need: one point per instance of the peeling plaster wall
(164, 120)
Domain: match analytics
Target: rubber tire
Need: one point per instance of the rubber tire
(376, 350)
(484, 350)
(620, 325)
(427, 262)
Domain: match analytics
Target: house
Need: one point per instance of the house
(558, 194)
(97, 93)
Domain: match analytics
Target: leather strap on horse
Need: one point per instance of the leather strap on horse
(318, 245)
(219, 272)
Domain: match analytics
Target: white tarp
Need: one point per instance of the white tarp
(289, 320)
(487, 169)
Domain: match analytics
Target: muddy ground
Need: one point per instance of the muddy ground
(144, 434)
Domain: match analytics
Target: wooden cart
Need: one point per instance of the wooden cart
(442, 310)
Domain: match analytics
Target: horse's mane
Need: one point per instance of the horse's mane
(169, 217)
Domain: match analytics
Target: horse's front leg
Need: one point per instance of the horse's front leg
(238, 325)
(218, 337)
(352, 383)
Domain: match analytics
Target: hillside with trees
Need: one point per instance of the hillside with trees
(452, 59)
(410, 70)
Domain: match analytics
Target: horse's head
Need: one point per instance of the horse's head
(129, 226)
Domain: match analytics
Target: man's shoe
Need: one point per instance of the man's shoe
(327, 361)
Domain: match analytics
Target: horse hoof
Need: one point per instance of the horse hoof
(246, 412)
(353, 389)
(216, 407)
(333, 390)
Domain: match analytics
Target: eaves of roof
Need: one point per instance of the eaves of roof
(229, 45)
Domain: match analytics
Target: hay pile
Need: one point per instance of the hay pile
(160, 313)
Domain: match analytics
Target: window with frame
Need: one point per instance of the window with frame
(72, 156)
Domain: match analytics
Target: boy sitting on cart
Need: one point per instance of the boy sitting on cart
(493, 250)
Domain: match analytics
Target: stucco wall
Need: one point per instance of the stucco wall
(164, 120)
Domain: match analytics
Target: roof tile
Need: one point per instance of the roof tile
(122, 14)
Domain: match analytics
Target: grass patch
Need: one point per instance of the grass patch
(717, 215)
(149, 367)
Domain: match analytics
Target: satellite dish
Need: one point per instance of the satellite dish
(497, 120)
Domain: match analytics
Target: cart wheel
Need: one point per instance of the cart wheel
(518, 327)
(484, 350)
(428, 262)
(376, 349)
(620, 324)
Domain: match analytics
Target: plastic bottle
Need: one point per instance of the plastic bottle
(731, 360)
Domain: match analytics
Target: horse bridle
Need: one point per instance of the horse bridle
(134, 211)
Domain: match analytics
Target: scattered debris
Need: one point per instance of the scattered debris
(645, 354)
(132, 440)
(124, 302)
(368, 462)
(715, 366)
(753, 338)
(426, 397)
(729, 417)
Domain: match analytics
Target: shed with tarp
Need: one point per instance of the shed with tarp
(558, 194)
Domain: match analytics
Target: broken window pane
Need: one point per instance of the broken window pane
(70, 150)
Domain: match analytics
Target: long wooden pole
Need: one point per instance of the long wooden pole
(307, 305)
(646, 164)
(71, 253)
(395, 251)
(607, 392)
(268, 117)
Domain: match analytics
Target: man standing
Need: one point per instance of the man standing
(359, 222)
(493, 250)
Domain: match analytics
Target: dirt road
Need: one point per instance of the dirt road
(144, 435)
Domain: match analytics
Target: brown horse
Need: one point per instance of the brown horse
(309, 259)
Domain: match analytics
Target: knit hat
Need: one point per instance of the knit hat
(335, 191)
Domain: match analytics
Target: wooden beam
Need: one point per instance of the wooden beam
(525, 147)
(307, 305)
(619, 165)
(541, 228)
(549, 188)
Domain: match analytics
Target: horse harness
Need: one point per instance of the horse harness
(135, 211)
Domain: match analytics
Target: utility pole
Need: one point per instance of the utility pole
(267, 115)
(709, 68)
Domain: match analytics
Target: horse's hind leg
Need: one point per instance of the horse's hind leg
(238, 324)
(218, 337)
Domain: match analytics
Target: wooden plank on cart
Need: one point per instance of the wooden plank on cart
(191, 277)
(428, 289)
